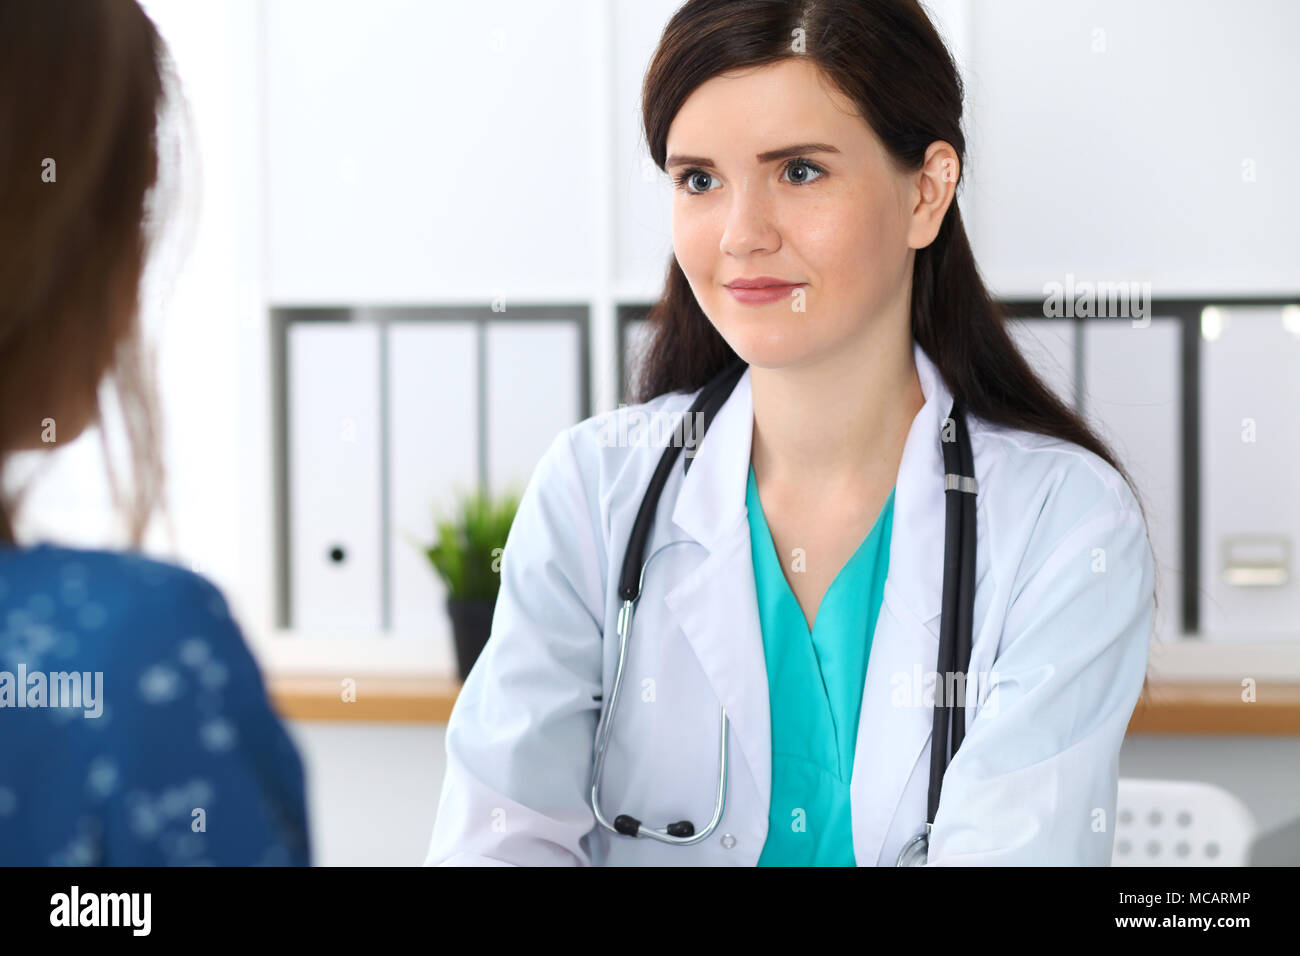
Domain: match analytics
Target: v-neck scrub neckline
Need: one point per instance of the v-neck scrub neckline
(815, 681)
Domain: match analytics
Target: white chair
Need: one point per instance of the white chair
(1180, 823)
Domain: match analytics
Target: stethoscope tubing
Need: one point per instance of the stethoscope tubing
(956, 619)
(625, 824)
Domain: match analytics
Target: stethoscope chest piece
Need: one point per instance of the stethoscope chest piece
(916, 851)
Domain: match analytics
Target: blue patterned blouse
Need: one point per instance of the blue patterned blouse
(134, 726)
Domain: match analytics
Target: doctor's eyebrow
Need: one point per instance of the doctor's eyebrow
(786, 152)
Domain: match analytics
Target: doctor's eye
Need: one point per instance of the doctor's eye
(686, 176)
(796, 163)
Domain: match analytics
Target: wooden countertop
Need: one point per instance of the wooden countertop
(393, 699)
(1168, 707)
(1214, 707)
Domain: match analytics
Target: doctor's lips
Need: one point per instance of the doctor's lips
(761, 290)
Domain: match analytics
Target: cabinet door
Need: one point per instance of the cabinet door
(1250, 513)
(334, 468)
(433, 457)
(1132, 396)
(1076, 108)
(423, 150)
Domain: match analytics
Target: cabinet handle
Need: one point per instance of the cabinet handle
(1256, 560)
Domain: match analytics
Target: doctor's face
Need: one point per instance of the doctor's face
(778, 176)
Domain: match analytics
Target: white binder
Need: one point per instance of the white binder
(532, 395)
(1250, 514)
(433, 456)
(334, 494)
(1133, 396)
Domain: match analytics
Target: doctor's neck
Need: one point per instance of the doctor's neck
(839, 420)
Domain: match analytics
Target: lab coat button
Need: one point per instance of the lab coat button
(728, 840)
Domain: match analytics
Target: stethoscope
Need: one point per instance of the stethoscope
(954, 626)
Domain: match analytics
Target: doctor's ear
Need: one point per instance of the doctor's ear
(933, 187)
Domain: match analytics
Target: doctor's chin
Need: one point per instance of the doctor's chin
(749, 452)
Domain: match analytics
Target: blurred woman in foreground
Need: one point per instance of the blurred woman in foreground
(134, 726)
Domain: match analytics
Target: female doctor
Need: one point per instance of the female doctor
(793, 573)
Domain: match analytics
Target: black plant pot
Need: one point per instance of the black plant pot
(471, 623)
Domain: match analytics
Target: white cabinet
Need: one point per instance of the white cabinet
(1135, 140)
(418, 151)
(440, 155)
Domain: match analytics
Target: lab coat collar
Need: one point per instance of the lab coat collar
(711, 501)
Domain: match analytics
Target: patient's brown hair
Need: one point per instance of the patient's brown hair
(81, 87)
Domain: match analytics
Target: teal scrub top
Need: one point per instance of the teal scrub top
(815, 688)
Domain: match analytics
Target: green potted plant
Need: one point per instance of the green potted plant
(467, 556)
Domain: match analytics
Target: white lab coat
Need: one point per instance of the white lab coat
(1063, 615)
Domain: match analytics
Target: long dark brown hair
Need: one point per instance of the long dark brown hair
(887, 57)
(82, 83)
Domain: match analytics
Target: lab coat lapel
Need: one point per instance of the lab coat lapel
(916, 551)
(894, 727)
(717, 606)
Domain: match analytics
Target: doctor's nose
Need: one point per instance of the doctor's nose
(749, 228)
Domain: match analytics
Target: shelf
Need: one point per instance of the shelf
(1216, 708)
(1169, 707)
